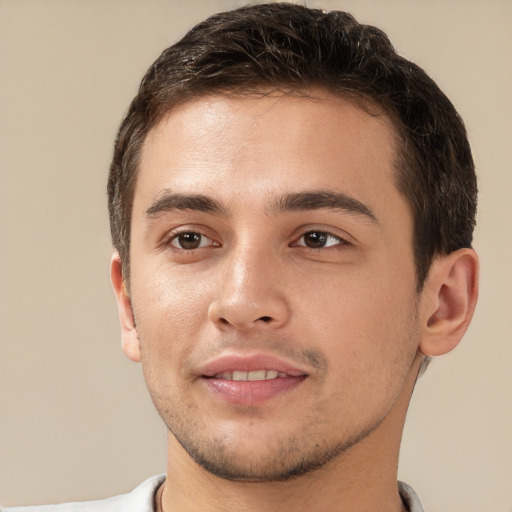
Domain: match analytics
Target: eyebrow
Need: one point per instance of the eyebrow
(319, 200)
(314, 200)
(172, 201)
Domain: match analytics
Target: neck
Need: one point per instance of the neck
(363, 478)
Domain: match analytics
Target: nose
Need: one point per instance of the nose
(251, 293)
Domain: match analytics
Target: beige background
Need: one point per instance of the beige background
(75, 419)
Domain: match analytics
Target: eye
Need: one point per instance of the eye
(319, 240)
(190, 240)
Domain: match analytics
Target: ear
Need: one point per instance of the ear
(449, 299)
(129, 337)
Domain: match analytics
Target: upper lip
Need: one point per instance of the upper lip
(250, 363)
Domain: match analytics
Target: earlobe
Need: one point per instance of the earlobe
(450, 296)
(129, 337)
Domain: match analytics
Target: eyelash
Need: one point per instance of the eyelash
(322, 236)
(175, 238)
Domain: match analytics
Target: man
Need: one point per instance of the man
(292, 207)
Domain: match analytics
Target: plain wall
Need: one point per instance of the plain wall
(76, 421)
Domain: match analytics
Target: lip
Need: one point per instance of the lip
(250, 393)
(250, 363)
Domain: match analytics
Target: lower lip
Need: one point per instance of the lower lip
(252, 392)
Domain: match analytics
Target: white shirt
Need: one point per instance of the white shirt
(142, 499)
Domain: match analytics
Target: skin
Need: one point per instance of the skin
(329, 290)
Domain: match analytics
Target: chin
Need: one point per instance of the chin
(274, 460)
(261, 468)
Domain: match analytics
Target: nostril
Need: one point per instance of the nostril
(265, 319)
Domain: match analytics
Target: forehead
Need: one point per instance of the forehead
(213, 134)
(249, 154)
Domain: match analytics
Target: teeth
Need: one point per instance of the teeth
(250, 376)
(258, 375)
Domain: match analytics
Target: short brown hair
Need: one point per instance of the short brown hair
(289, 47)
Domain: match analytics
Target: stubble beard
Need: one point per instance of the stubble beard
(283, 458)
(292, 459)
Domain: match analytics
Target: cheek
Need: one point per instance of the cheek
(366, 324)
(370, 352)
(168, 313)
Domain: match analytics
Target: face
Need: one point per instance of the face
(273, 284)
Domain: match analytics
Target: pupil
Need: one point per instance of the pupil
(190, 240)
(315, 239)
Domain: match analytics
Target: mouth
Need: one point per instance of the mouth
(251, 380)
(253, 376)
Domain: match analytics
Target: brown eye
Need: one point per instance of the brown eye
(319, 240)
(190, 241)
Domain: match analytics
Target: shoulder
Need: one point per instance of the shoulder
(141, 499)
(409, 497)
